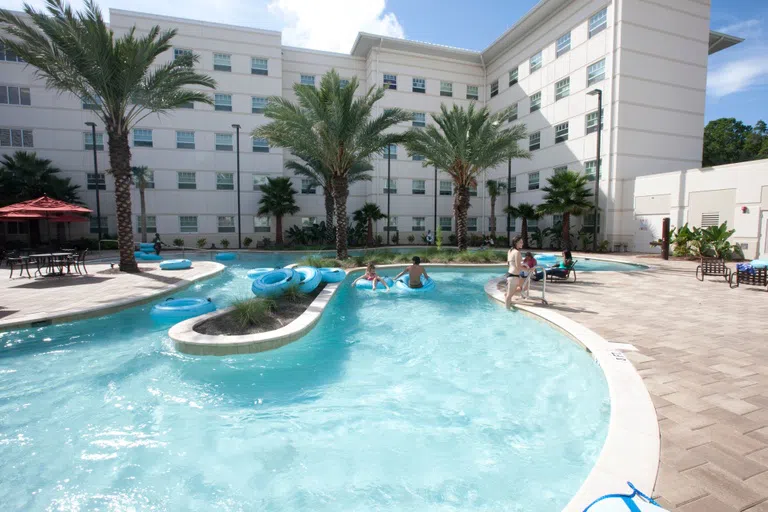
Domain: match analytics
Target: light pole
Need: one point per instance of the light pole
(96, 176)
(434, 232)
(599, 94)
(389, 184)
(509, 202)
(239, 225)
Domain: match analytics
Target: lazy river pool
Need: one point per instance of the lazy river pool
(392, 402)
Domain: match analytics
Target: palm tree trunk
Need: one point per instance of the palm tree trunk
(566, 231)
(279, 229)
(460, 208)
(120, 163)
(524, 231)
(340, 193)
(143, 211)
(493, 217)
(328, 192)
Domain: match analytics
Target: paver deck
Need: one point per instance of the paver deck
(102, 290)
(703, 354)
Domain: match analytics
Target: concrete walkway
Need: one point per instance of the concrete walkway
(26, 301)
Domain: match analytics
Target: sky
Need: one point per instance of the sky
(737, 82)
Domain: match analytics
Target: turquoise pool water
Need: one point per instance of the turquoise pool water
(393, 402)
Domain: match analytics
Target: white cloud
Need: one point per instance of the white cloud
(741, 28)
(332, 25)
(738, 75)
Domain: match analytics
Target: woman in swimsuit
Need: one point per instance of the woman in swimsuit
(370, 275)
(515, 270)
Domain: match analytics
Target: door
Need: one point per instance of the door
(763, 242)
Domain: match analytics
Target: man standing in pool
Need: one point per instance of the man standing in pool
(515, 271)
(415, 272)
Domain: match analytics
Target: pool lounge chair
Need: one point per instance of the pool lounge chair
(562, 274)
(749, 275)
(713, 267)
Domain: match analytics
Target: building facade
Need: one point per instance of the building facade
(649, 60)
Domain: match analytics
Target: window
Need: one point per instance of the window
(226, 224)
(589, 221)
(513, 76)
(494, 88)
(535, 62)
(222, 102)
(390, 152)
(390, 81)
(10, 95)
(446, 188)
(560, 169)
(561, 132)
(512, 224)
(471, 223)
(222, 62)
(149, 179)
(225, 181)
(94, 227)
(513, 184)
(8, 56)
(419, 224)
(308, 186)
(419, 187)
(535, 101)
(598, 22)
(308, 222)
(557, 218)
(562, 88)
(513, 112)
(88, 141)
(224, 142)
(185, 140)
(259, 66)
(10, 137)
(343, 82)
(592, 120)
(534, 141)
(186, 180)
(261, 225)
(417, 157)
(181, 52)
(533, 180)
(260, 145)
(596, 72)
(188, 223)
(590, 169)
(390, 186)
(189, 104)
(92, 105)
(258, 181)
(419, 119)
(419, 85)
(392, 221)
(473, 190)
(446, 223)
(563, 44)
(151, 224)
(308, 80)
(446, 89)
(93, 179)
(710, 219)
(472, 92)
(142, 138)
(533, 224)
(258, 105)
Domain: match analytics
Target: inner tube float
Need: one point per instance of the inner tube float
(402, 284)
(332, 275)
(759, 263)
(256, 272)
(175, 264)
(309, 278)
(368, 285)
(275, 282)
(150, 257)
(226, 256)
(146, 247)
(179, 309)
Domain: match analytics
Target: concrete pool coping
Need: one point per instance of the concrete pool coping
(631, 451)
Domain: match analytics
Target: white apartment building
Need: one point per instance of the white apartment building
(649, 59)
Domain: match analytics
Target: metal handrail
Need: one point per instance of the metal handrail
(525, 292)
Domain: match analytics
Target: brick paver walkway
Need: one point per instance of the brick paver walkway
(703, 354)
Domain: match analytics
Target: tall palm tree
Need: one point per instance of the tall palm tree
(524, 212)
(495, 189)
(277, 200)
(567, 193)
(141, 177)
(335, 127)
(77, 52)
(464, 144)
(368, 214)
(24, 176)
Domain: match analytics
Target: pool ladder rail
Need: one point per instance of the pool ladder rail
(526, 291)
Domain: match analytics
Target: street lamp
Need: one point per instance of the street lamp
(509, 202)
(96, 175)
(599, 94)
(389, 184)
(239, 225)
(434, 233)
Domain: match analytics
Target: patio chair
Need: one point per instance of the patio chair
(749, 275)
(14, 260)
(78, 260)
(713, 267)
(562, 274)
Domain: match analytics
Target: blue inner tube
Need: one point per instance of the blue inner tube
(310, 278)
(150, 257)
(275, 282)
(182, 308)
(332, 275)
(256, 272)
(175, 264)
(226, 256)
(759, 263)
(402, 284)
(146, 247)
(368, 285)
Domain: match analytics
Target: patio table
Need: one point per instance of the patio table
(51, 260)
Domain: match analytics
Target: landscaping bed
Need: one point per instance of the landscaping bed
(432, 255)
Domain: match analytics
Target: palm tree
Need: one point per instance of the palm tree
(524, 212)
(495, 189)
(278, 200)
(77, 52)
(368, 214)
(467, 143)
(338, 129)
(141, 177)
(567, 193)
(24, 176)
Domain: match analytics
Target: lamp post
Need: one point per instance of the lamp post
(599, 94)
(509, 202)
(389, 184)
(239, 225)
(96, 175)
(434, 232)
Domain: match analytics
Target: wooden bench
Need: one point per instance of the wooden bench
(754, 277)
(713, 267)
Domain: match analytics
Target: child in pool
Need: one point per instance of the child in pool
(370, 275)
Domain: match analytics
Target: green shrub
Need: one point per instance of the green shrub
(201, 243)
(178, 242)
(379, 240)
(439, 238)
(224, 243)
(293, 294)
(395, 238)
(247, 241)
(452, 240)
(251, 311)
(411, 239)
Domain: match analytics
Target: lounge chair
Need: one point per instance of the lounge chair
(749, 275)
(713, 267)
(562, 274)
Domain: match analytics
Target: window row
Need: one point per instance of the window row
(595, 73)
(590, 168)
(7, 55)
(562, 131)
(143, 138)
(419, 85)
(12, 95)
(189, 224)
(420, 224)
(221, 103)
(16, 138)
(223, 61)
(419, 187)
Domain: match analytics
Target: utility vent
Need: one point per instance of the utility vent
(710, 219)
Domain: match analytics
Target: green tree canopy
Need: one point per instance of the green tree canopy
(24, 176)
(368, 214)
(728, 141)
(278, 200)
(568, 194)
(524, 212)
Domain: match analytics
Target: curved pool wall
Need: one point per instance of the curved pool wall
(392, 402)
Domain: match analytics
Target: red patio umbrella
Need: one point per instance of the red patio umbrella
(43, 205)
